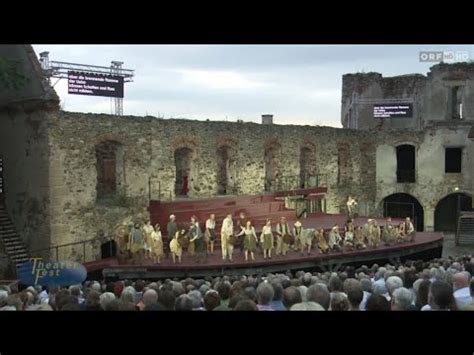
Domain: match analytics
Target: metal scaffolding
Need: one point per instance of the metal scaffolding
(55, 69)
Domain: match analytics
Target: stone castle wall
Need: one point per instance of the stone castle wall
(149, 167)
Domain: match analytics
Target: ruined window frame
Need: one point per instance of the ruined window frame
(402, 180)
(452, 148)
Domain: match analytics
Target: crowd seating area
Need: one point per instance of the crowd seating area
(439, 284)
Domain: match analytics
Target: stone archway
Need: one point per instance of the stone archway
(448, 209)
(402, 205)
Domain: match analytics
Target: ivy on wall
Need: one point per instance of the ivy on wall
(11, 78)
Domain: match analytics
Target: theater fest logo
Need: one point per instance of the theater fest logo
(48, 273)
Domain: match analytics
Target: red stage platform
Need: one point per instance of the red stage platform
(258, 208)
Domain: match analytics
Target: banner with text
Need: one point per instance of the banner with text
(399, 110)
(81, 83)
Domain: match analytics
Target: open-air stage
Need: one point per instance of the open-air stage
(427, 245)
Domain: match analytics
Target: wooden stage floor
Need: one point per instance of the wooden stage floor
(428, 244)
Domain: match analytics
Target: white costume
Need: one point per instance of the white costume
(227, 230)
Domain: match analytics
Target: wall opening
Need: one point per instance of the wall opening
(305, 167)
(108, 249)
(182, 161)
(401, 205)
(223, 162)
(406, 163)
(344, 171)
(271, 168)
(447, 211)
(110, 170)
(456, 96)
(453, 160)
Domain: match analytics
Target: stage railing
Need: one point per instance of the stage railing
(295, 182)
(56, 252)
(157, 193)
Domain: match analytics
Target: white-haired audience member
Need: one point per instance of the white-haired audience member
(393, 283)
(402, 300)
(105, 299)
(462, 293)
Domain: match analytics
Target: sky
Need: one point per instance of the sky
(298, 84)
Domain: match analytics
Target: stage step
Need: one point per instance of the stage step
(465, 233)
(13, 244)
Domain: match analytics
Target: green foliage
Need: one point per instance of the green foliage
(10, 76)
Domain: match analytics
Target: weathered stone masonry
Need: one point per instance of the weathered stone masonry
(149, 145)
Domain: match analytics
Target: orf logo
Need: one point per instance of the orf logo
(48, 273)
(431, 56)
(446, 56)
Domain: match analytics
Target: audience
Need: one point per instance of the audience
(440, 284)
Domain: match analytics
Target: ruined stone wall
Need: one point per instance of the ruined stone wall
(25, 149)
(361, 91)
(441, 79)
(51, 172)
(432, 183)
(149, 168)
(432, 97)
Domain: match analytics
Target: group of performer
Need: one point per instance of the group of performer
(147, 242)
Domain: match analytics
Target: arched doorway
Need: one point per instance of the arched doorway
(182, 161)
(401, 205)
(271, 167)
(447, 211)
(223, 159)
(406, 163)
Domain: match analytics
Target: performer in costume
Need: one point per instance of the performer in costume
(321, 241)
(171, 229)
(147, 230)
(358, 239)
(335, 239)
(365, 232)
(175, 247)
(227, 230)
(374, 234)
(308, 240)
(408, 230)
(241, 223)
(389, 232)
(298, 232)
(122, 237)
(349, 233)
(250, 240)
(399, 237)
(156, 244)
(282, 229)
(210, 233)
(351, 204)
(137, 244)
(266, 238)
(197, 238)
